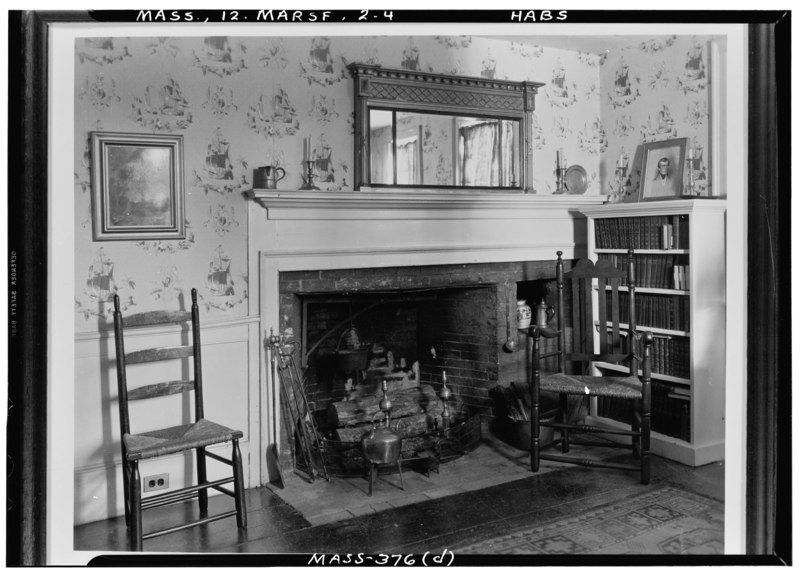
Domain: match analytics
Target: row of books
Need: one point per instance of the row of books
(669, 355)
(668, 415)
(643, 232)
(654, 270)
(655, 310)
(680, 277)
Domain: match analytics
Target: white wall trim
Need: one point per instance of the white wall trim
(84, 336)
(470, 254)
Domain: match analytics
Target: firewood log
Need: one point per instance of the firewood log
(408, 426)
(404, 403)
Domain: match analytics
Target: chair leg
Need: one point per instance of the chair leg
(238, 486)
(636, 440)
(645, 448)
(563, 401)
(135, 497)
(125, 490)
(202, 495)
(535, 433)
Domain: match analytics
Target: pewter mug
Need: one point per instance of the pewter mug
(544, 313)
(269, 176)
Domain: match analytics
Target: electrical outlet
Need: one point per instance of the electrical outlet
(155, 482)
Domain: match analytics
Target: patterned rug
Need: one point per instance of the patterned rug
(665, 521)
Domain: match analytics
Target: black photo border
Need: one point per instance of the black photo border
(768, 478)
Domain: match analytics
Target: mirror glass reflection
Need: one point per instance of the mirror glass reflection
(425, 149)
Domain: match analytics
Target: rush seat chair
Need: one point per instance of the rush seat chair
(197, 435)
(596, 338)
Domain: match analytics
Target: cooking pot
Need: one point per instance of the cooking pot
(381, 445)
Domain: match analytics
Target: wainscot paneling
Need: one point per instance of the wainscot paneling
(231, 390)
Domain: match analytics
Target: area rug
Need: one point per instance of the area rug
(664, 521)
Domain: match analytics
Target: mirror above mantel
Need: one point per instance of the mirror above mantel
(420, 130)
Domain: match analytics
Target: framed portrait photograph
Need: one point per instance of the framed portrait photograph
(662, 170)
(137, 186)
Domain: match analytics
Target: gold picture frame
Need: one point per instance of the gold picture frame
(137, 186)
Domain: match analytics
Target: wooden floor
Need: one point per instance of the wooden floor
(279, 529)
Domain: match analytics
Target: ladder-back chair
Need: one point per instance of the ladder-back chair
(577, 375)
(196, 435)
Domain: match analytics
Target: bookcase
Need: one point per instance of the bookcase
(679, 256)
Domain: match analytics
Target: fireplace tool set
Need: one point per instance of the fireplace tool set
(296, 405)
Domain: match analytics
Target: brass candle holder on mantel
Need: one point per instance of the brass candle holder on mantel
(690, 164)
(309, 160)
(623, 180)
(561, 172)
(308, 177)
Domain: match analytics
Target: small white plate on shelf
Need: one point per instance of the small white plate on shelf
(575, 179)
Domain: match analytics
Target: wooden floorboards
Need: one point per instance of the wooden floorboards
(275, 527)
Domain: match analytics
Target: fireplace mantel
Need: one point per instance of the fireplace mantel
(416, 204)
(318, 230)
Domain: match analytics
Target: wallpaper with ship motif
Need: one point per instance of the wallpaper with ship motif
(657, 89)
(244, 102)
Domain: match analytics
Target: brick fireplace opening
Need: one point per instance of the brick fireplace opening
(422, 320)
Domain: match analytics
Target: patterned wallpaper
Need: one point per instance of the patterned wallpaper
(243, 102)
(654, 90)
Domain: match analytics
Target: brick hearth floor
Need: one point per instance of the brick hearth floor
(493, 462)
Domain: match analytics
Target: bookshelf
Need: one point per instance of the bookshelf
(680, 297)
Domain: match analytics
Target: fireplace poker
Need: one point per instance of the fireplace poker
(310, 436)
(317, 441)
(298, 421)
(272, 341)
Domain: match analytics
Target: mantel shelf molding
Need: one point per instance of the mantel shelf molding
(397, 204)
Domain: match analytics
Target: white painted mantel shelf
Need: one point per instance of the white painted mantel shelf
(417, 204)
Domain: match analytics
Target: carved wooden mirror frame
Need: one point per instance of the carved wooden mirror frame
(396, 89)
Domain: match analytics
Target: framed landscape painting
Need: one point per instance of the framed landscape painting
(137, 186)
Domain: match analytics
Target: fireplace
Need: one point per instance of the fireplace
(325, 255)
(426, 319)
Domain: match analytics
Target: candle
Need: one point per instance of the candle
(563, 160)
(621, 160)
(691, 153)
(558, 159)
(311, 148)
(305, 149)
(444, 377)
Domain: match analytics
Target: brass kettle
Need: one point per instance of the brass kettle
(382, 444)
(543, 313)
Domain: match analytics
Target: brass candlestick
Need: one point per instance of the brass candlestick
(561, 173)
(308, 179)
(690, 165)
(622, 174)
